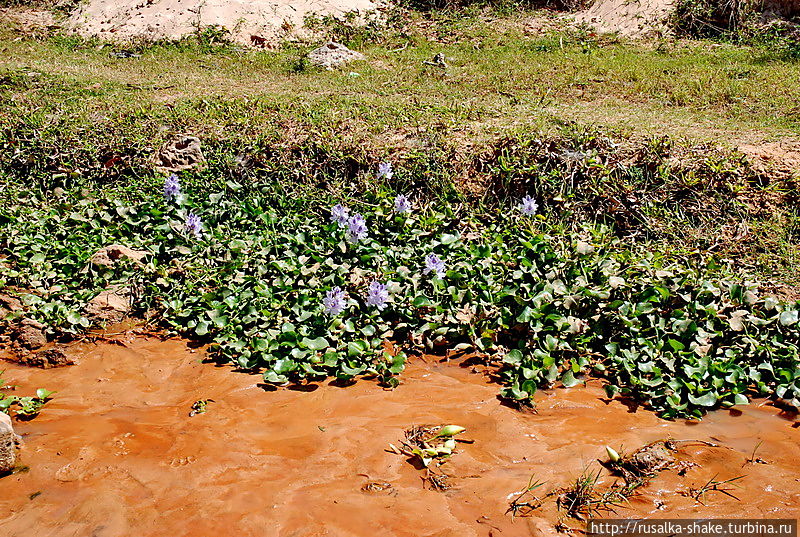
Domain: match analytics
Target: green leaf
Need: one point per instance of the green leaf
(789, 317)
(705, 400)
(356, 348)
(317, 344)
(448, 239)
(422, 301)
(202, 328)
(568, 379)
(513, 357)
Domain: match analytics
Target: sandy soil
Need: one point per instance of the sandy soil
(116, 453)
(630, 18)
(251, 22)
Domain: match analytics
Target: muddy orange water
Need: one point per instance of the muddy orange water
(116, 453)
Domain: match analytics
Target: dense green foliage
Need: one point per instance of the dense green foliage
(544, 308)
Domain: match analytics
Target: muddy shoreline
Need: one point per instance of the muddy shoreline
(116, 452)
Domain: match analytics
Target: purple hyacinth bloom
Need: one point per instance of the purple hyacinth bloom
(340, 214)
(334, 301)
(356, 228)
(435, 265)
(385, 170)
(529, 207)
(378, 295)
(172, 188)
(402, 205)
(194, 225)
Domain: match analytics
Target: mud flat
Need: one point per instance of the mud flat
(117, 453)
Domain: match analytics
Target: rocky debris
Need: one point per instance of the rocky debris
(332, 55)
(112, 305)
(438, 60)
(9, 304)
(30, 334)
(647, 461)
(47, 359)
(8, 447)
(182, 152)
(109, 255)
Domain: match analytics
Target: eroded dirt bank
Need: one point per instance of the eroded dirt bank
(116, 453)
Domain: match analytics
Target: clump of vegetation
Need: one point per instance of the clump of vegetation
(741, 21)
(300, 291)
(26, 407)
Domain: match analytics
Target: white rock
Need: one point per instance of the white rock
(332, 55)
(8, 449)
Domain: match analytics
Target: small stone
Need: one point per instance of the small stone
(110, 255)
(9, 304)
(31, 334)
(181, 153)
(47, 359)
(332, 55)
(112, 305)
(8, 447)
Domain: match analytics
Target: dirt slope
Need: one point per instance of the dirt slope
(116, 453)
(267, 20)
(631, 18)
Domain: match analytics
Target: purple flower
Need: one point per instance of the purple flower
(401, 204)
(172, 188)
(340, 214)
(356, 228)
(435, 265)
(378, 295)
(385, 170)
(194, 225)
(334, 301)
(529, 207)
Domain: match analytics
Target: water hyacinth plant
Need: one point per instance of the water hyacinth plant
(434, 265)
(528, 206)
(680, 337)
(194, 225)
(340, 214)
(335, 301)
(385, 171)
(378, 295)
(172, 188)
(402, 205)
(356, 228)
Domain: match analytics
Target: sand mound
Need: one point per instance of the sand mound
(255, 22)
(631, 18)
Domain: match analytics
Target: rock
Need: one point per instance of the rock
(8, 447)
(31, 334)
(9, 304)
(180, 153)
(332, 55)
(111, 306)
(108, 256)
(47, 359)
